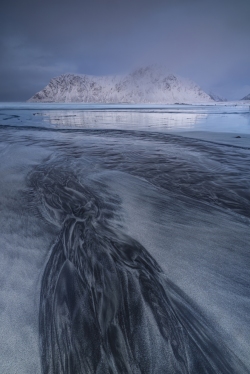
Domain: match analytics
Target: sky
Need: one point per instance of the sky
(206, 41)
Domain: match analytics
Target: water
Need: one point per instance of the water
(124, 246)
(215, 118)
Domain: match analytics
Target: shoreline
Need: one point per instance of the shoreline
(226, 138)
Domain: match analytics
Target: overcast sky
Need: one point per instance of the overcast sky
(206, 41)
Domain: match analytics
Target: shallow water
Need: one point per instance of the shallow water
(215, 118)
(124, 247)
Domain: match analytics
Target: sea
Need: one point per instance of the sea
(124, 238)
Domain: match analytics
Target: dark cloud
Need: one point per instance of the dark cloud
(207, 41)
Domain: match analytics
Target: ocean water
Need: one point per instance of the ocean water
(214, 118)
(124, 244)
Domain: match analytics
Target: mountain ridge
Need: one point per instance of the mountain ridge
(216, 97)
(246, 97)
(149, 85)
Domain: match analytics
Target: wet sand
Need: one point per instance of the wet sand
(124, 251)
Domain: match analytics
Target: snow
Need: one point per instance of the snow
(246, 97)
(150, 85)
(216, 97)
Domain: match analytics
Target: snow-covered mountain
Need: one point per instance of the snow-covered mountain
(145, 85)
(246, 97)
(216, 97)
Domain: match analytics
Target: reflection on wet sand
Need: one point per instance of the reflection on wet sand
(124, 120)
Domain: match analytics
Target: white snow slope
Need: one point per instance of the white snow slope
(246, 97)
(145, 85)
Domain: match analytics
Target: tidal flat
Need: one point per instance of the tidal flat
(124, 236)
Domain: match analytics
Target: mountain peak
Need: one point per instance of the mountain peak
(149, 85)
(246, 97)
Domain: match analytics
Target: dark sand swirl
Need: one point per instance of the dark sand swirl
(105, 305)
